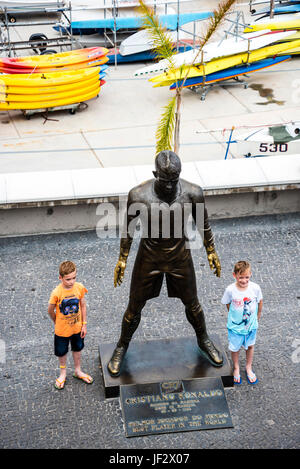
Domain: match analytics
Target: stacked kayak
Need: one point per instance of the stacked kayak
(63, 79)
(279, 22)
(215, 50)
(228, 60)
(87, 21)
(71, 60)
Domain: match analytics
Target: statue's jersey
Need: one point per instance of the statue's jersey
(163, 248)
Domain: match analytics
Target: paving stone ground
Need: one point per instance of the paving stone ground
(35, 415)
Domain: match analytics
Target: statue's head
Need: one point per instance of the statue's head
(167, 171)
(168, 162)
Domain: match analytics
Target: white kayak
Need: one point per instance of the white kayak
(103, 4)
(94, 13)
(140, 41)
(214, 50)
(30, 3)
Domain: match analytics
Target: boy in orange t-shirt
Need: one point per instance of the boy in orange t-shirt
(70, 321)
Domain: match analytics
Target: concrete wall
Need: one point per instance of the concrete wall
(62, 216)
(55, 201)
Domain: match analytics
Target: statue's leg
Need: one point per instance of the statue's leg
(130, 322)
(195, 316)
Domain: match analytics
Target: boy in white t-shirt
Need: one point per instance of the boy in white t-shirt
(243, 299)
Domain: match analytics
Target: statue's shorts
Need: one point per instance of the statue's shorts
(156, 260)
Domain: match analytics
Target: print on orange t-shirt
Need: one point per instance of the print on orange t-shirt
(68, 313)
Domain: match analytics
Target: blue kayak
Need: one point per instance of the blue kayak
(139, 56)
(294, 8)
(231, 72)
(170, 21)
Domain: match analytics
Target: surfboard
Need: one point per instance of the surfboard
(79, 98)
(251, 41)
(279, 22)
(48, 79)
(216, 65)
(231, 72)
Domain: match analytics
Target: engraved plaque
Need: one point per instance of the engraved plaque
(174, 406)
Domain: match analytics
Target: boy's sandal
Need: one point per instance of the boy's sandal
(86, 378)
(237, 380)
(59, 384)
(252, 379)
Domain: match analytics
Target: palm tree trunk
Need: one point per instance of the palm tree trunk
(177, 121)
(271, 9)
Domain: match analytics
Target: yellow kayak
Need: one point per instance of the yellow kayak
(32, 90)
(294, 51)
(167, 78)
(9, 97)
(48, 79)
(79, 98)
(275, 24)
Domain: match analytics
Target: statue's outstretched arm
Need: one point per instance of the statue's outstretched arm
(207, 235)
(212, 256)
(125, 245)
(122, 261)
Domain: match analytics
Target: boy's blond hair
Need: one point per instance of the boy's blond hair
(66, 268)
(241, 266)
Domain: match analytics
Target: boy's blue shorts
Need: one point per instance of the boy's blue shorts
(61, 344)
(236, 341)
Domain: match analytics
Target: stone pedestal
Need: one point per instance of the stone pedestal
(154, 361)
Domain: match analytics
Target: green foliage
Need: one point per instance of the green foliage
(167, 134)
(162, 42)
(165, 129)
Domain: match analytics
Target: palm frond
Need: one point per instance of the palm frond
(215, 21)
(165, 129)
(167, 134)
(163, 46)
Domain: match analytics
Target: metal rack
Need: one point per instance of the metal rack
(112, 37)
(202, 90)
(72, 108)
(233, 30)
(255, 2)
(40, 42)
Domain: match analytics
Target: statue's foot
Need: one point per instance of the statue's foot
(210, 352)
(114, 364)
